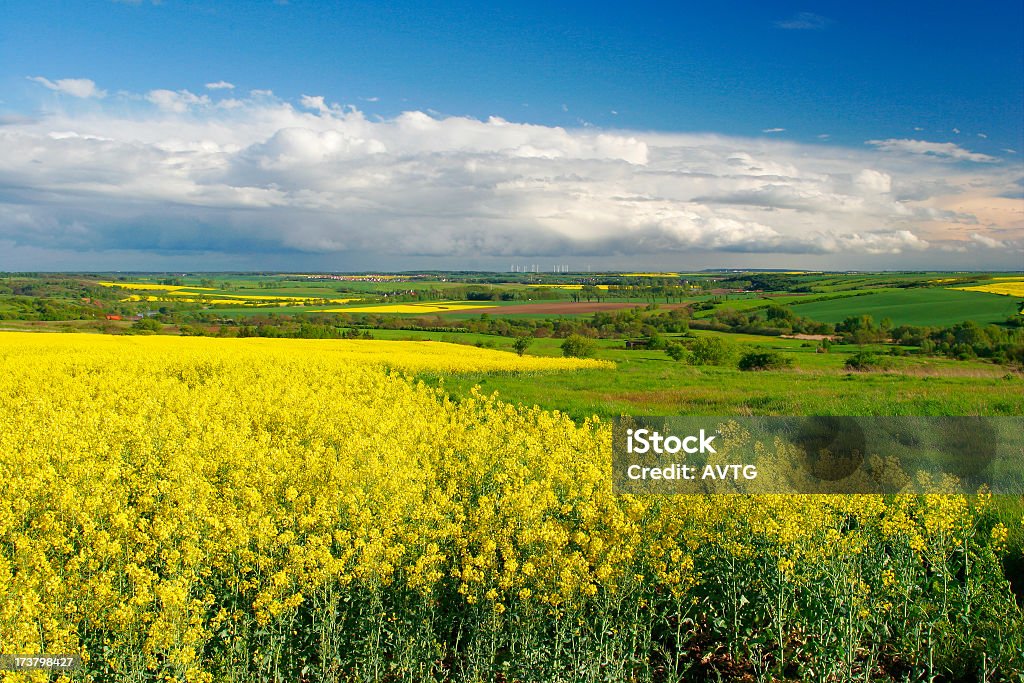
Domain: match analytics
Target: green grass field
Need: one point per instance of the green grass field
(856, 294)
(926, 306)
(650, 383)
(747, 302)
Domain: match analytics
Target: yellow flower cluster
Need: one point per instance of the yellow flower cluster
(194, 508)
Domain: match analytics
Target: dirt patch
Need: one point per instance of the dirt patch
(569, 308)
(809, 337)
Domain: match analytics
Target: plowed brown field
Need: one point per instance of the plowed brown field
(568, 308)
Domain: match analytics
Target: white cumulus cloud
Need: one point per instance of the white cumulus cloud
(987, 241)
(178, 174)
(176, 101)
(76, 87)
(874, 181)
(947, 150)
(315, 103)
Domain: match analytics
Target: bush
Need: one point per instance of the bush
(146, 326)
(191, 331)
(676, 351)
(656, 341)
(866, 360)
(576, 346)
(521, 344)
(711, 351)
(764, 360)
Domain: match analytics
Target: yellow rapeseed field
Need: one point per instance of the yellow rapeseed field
(262, 298)
(1007, 287)
(187, 298)
(234, 299)
(571, 287)
(190, 294)
(150, 286)
(192, 509)
(432, 307)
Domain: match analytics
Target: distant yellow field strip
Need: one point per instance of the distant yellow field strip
(189, 294)
(151, 285)
(184, 298)
(224, 300)
(89, 350)
(1008, 288)
(436, 307)
(277, 297)
(1001, 278)
(570, 286)
(238, 298)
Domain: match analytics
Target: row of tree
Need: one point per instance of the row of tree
(1003, 344)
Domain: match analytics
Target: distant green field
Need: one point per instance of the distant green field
(648, 382)
(926, 306)
(746, 302)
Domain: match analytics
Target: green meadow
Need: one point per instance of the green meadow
(650, 383)
(926, 306)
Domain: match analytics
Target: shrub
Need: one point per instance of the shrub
(711, 351)
(676, 351)
(866, 360)
(656, 341)
(521, 344)
(146, 326)
(576, 346)
(764, 360)
(191, 331)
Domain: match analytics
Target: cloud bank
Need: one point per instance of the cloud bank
(230, 181)
(76, 87)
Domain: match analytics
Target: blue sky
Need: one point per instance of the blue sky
(740, 134)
